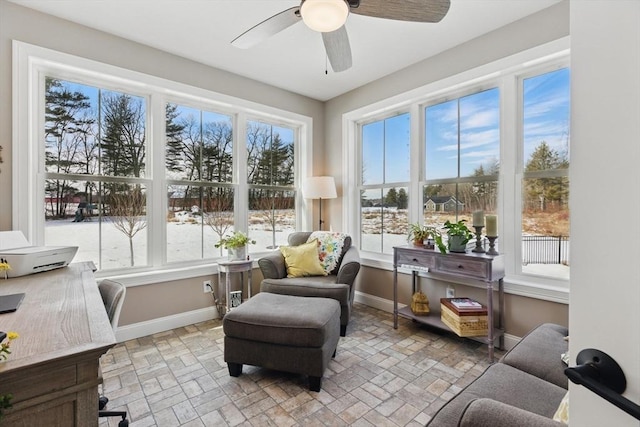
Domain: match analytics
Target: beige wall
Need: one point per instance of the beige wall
(167, 298)
(545, 26)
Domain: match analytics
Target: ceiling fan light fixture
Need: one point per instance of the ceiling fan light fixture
(324, 15)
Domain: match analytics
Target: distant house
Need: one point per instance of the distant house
(442, 204)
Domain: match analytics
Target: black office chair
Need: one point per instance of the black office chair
(113, 297)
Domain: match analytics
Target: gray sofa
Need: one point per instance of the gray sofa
(339, 285)
(523, 389)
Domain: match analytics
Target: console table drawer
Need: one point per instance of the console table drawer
(474, 269)
(422, 260)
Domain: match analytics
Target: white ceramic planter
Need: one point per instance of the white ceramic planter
(237, 254)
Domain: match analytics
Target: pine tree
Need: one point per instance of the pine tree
(173, 132)
(66, 126)
(546, 192)
(403, 199)
(124, 140)
(391, 199)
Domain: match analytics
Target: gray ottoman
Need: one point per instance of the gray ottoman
(283, 333)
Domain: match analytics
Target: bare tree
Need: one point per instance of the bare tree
(219, 211)
(128, 214)
(268, 204)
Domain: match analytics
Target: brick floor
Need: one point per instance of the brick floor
(379, 377)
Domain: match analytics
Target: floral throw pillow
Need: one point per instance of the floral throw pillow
(329, 248)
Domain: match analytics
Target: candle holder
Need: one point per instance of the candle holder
(478, 249)
(492, 245)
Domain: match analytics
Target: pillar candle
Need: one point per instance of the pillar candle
(478, 218)
(492, 226)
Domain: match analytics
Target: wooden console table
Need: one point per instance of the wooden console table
(53, 368)
(453, 267)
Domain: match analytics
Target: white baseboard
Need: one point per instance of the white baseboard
(150, 327)
(161, 324)
(387, 305)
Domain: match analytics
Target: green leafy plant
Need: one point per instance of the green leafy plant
(456, 229)
(237, 240)
(418, 233)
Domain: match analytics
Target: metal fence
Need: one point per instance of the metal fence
(545, 250)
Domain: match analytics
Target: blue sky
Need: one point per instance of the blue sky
(546, 111)
(546, 118)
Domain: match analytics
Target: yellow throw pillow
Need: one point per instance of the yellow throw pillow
(303, 260)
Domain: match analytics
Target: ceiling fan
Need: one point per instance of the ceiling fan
(329, 16)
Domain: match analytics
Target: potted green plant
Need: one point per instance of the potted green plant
(459, 235)
(236, 245)
(419, 233)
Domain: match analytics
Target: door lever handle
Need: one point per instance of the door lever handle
(601, 374)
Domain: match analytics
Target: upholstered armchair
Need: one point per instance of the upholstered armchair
(338, 284)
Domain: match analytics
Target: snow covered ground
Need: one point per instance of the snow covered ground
(188, 239)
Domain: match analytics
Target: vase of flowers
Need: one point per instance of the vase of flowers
(4, 268)
(236, 245)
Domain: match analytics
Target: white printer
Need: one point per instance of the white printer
(25, 259)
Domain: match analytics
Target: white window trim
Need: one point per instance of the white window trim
(515, 283)
(29, 64)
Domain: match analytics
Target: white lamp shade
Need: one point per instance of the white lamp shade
(319, 187)
(324, 15)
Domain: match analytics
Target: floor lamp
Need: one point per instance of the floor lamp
(319, 187)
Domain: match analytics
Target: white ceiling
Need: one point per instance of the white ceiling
(294, 59)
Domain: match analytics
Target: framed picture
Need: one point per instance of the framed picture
(235, 298)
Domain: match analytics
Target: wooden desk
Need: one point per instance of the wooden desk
(468, 267)
(64, 329)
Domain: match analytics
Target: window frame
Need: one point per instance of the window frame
(384, 184)
(30, 66)
(504, 75)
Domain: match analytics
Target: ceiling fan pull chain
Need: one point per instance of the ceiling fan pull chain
(326, 66)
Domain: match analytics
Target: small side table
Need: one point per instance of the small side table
(229, 267)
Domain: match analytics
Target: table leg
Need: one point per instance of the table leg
(395, 297)
(501, 311)
(228, 290)
(490, 319)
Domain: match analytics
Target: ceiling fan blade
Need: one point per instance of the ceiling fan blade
(267, 28)
(338, 49)
(404, 10)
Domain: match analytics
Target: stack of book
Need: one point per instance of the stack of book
(465, 317)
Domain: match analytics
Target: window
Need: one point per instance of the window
(384, 197)
(462, 145)
(198, 164)
(270, 163)
(495, 139)
(145, 175)
(545, 178)
(95, 159)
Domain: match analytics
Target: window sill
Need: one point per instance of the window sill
(168, 274)
(526, 286)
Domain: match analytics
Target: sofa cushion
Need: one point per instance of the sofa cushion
(539, 353)
(505, 384)
(491, 413)
(319, 286)
(330, 249)
(302, 260)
